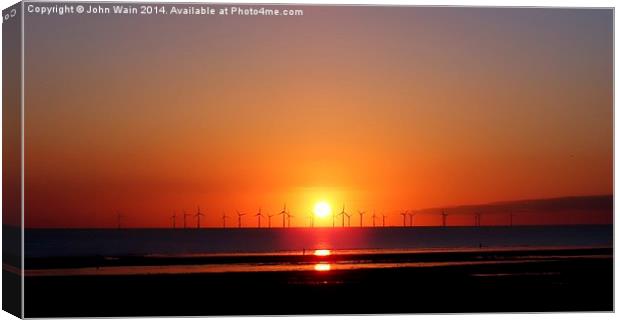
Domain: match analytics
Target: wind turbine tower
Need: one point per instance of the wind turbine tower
(259, 215)
(269, 220)
(361, 213)
(283, 213)
(224, 217)
(343, 214)
(444, 217)
(374, 217)
(239, 215)
(404, 214)
(288, 219)
(198, 215)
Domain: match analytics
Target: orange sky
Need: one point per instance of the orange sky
(384, 108)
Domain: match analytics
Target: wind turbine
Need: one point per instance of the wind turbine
(259, 215)
(174, 219)
(198, 215)
(478, 215)
(239, 215)
(404, 214)
(374, 217)
(361, 213)
(185, 215)
(383, 216)
(343, 214)
(444, 217)
(411, 218)
(311, 216)
(288, 219)
(269, 219)
(224, 217)
(284, 214)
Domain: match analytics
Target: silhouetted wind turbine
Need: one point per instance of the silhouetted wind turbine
(412, 218)
(185, 215)
(283, 213)
(477, 215)
(383, 218)
(224, 217)
(444, 217)
(404, 214)
(259, 215)
(288, 218)
(311, 220)
(174, 219)
(343, 214)
(239, 215)
(374, 217)
(198, 215)
(269, 219)
(361, 213)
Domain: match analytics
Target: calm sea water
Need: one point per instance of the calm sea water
(111, 242)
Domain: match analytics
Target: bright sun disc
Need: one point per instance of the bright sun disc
(322, 252)
(322, 209)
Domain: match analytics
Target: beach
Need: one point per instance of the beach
(436, 281)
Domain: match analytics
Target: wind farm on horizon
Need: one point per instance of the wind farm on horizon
(335, 219)
(571, 210)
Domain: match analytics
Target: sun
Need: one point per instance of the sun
(322, 209)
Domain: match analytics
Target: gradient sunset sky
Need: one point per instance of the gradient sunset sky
(379, 107)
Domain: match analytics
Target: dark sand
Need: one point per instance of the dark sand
(568, 280)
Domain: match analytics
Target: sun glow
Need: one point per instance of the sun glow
(322, 209)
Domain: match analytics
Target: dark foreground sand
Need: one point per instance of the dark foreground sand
(575, 282)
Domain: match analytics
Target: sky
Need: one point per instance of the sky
(383, 108)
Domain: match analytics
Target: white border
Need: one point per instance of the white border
(494, 3)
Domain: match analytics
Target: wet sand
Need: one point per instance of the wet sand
(507, 281)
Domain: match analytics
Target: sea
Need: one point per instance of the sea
(42, 243)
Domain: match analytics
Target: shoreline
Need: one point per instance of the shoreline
(570, 284)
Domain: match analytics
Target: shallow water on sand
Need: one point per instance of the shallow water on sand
(320, 261)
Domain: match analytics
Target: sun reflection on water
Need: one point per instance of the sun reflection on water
(322, 266)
